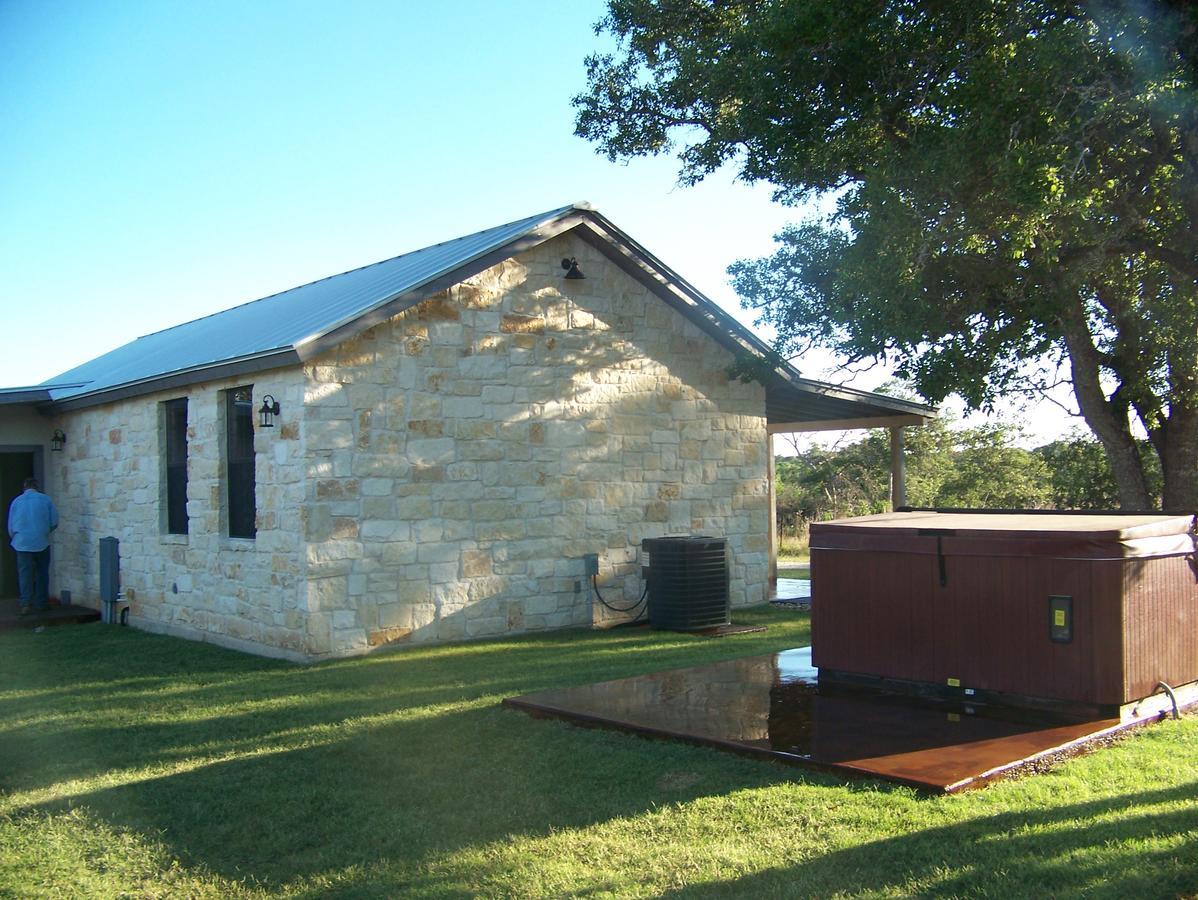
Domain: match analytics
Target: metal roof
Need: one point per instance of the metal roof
(800, 404)
(288, 327)
(285, 320)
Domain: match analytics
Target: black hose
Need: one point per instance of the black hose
(639, 617)
(619, 609)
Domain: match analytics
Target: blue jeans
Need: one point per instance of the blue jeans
(33, 575)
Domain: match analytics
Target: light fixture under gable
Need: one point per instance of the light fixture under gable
(573, 273)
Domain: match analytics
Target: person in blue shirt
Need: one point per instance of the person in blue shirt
(31, 518)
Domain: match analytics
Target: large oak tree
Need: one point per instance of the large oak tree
(1016, 188)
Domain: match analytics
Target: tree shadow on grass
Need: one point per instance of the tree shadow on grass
(177, 699)
(252, 768)
(1095, 849)
(403, 793)
(357, 773)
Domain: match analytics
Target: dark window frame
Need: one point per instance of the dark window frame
(240, 476)
(174, 464)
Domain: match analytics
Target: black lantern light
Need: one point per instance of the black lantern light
(57, 440)
(572, 271)
(270, 409)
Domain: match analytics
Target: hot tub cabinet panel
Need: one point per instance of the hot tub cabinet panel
(1087, 609)
(1160, 624)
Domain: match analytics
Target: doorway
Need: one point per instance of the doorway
(15, 466)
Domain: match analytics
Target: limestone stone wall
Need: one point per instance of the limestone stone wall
(438, 477)
(109, 482)
(463, 457)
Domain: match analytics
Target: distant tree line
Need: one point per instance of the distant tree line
(947, 467)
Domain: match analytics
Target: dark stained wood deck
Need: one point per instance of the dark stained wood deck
(774, 707)
(55, 615)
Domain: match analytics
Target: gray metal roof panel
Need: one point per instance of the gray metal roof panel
(272, 331)
(286, 319)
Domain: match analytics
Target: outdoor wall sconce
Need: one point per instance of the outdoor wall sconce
(572, 270)
(57, 440)
(270, 409)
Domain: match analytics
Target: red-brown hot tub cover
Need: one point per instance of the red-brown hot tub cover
(1063, 535)
(967, 599)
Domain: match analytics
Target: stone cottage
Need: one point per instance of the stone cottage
(420, 449)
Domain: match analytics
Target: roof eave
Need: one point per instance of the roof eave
(24, 396)
(881, 421)
(232, 368)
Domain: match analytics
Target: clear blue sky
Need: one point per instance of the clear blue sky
(164, 160)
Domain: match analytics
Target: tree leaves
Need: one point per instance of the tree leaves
(1016, 181)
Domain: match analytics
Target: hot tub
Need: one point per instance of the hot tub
(1093, 610)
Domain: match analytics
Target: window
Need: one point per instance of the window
(239, 461)
(174, 422)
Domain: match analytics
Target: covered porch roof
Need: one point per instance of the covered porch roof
(800, 404)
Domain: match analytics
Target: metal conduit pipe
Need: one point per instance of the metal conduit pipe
(1172, 697)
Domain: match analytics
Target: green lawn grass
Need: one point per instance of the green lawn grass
(791, 569)
(142, 766)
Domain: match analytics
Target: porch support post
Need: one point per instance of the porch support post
(772, 527)
(898, 469)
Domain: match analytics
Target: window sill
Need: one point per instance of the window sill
(239, 544)
(173, 539)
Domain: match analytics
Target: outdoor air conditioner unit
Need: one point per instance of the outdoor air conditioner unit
(688, 582)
